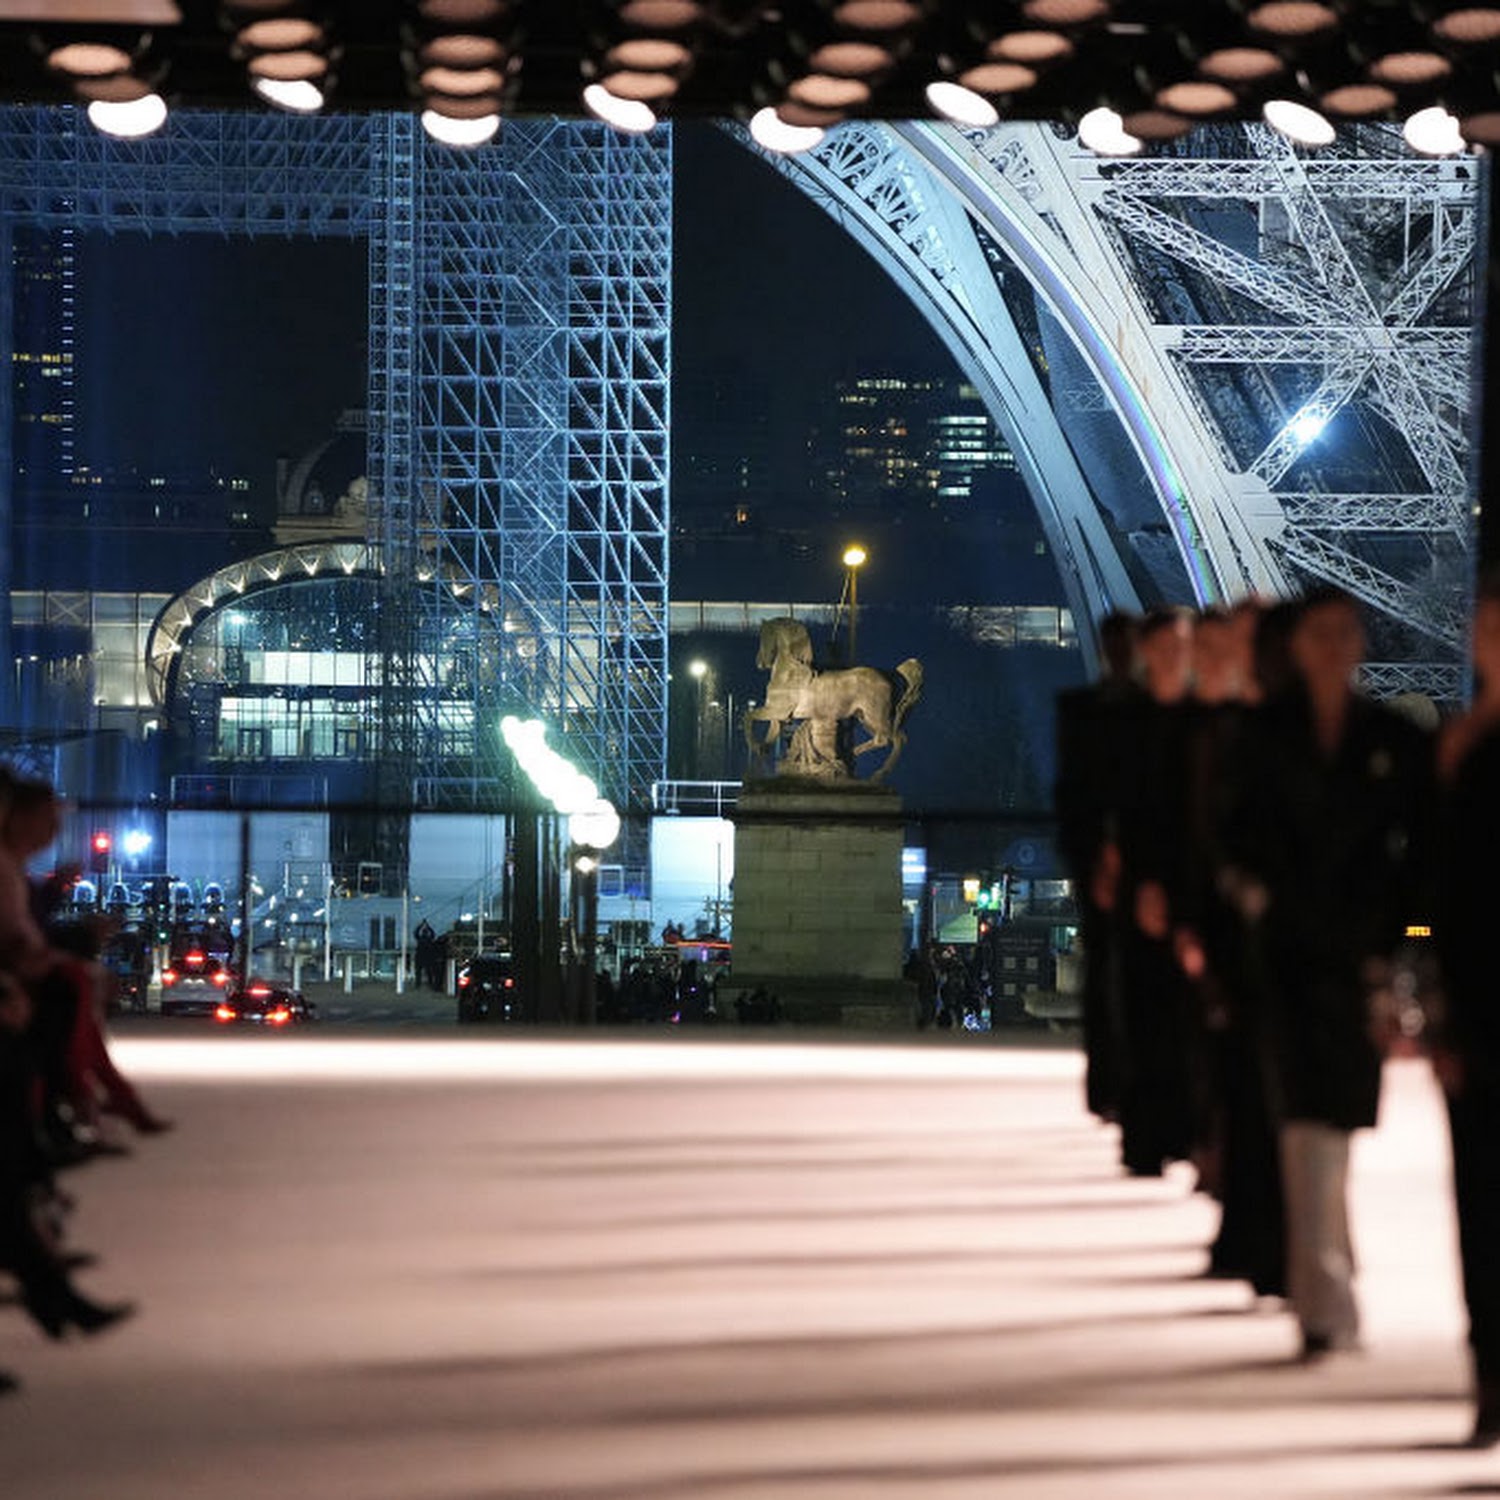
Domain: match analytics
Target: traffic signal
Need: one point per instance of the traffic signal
(99, 850)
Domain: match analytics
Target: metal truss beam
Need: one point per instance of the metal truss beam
(1415, 514)
(1253, 180)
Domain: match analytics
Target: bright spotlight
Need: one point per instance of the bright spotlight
(1297, 122)
(963, 106)
(135, 842)
(1433, 132)
(130, 120)
(772, 132)
(300, 96)
(1307, 427)
(454, 132)
(854, 555)
(1104, 133)
(697, 667)
(632, 116)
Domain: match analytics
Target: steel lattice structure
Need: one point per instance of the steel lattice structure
(518, 458)
(1282, 342)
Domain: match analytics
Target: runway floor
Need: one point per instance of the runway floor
(416, 1268)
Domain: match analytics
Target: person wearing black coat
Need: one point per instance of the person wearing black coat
(1086, 798)
(1328, 856)
(1467, 1053)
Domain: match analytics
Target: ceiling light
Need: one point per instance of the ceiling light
(1155, 125)
(299, 95)
(661, 15)
(461, 50)
(288, 66)
(453, 132)
(649, 54)
(1103, 132)
(647, 88)
(1409, 69)
(463, 106)
(825, 91)
(1358, 100)
(281, 34)
(772, 132)
(1202, 97)
(960, 105)
(632, 116)
(998, 78)
(1065, 12)
(1469, 26)
(1031, 47)
(461, 81)
(454, 14)
(851, 59)
(88, 60)
(129, 119)
(1298, 122)
(1240, 64)
(877, 15)
(1433, 132)
(1293, 18)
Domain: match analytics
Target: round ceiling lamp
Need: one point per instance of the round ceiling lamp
(628, 116)
(1433, 132)
(960, 105)
(1103, 132)
(129, 119)
(1299, 123)
(88, 60)
(450, 131)
(772, 132)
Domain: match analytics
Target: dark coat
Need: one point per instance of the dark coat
(1343, 845)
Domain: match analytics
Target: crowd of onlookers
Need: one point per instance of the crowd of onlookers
(57, 1081)
(1279, 879)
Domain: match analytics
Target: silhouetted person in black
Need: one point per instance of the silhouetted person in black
(1155, 1075)
(1467, 1056)
(1087, 798)
(1327, 858)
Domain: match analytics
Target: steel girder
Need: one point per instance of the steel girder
(1233, 302)
(519, 302)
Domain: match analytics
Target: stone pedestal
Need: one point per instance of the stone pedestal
(817, 904)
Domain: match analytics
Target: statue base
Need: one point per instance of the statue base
(818, 919)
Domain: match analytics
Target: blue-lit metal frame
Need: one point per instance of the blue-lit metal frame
(518, 386)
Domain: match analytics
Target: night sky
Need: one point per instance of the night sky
(204, 351)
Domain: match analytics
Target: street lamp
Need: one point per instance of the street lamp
(698, 671)
(854, 559)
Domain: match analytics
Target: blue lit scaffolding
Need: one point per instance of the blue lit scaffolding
(518, 393)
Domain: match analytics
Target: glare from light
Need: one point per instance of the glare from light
(299, 95)
(1433, 132)
(340, 1059)
(1104, 133)
(452, 132)
(131, 120)
(772, 132)
(135, 842)
(595, 826)
(1307, 427)
(1298, 122)
(697, 667)
(855, 556)
(963, 106)
(631, 116)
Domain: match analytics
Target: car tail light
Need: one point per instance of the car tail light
(260, 989)
(280, 1016)
(169, 976)
(463, 981)
(221, 979)
(510, 983)
(193, 960)
(225, 1013)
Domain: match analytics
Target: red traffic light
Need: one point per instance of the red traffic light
(102, 842)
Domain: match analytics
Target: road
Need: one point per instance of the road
(412, 1267)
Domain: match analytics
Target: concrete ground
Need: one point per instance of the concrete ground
(408, 1267)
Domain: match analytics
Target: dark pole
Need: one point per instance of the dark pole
(247, 905)
(526, 932)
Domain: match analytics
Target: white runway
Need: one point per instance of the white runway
(425, 1269)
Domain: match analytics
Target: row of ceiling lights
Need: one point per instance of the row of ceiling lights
(1289, 60)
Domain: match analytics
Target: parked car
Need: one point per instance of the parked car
(487, 989)
(262, 1002)
(193, 984)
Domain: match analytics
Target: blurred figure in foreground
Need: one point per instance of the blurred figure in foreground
(1467, 1051)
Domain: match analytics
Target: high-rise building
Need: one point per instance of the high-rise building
(44, 269)
(889, 442)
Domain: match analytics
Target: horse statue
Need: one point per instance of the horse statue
(828, 704)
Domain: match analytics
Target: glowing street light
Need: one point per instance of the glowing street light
(855, 557)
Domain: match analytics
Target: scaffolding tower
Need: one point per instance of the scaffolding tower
(518, 394)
